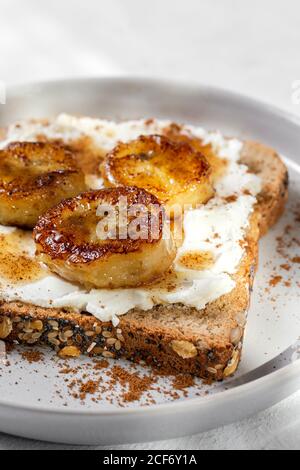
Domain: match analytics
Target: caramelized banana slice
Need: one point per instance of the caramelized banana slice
(173, 172)
(107, 238)
(35, 176)
(218, 164)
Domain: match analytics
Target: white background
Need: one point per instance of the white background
(249, 46)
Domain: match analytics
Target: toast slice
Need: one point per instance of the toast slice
(176, 338)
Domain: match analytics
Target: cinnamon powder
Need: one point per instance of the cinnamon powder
(182, 381)
(90, 387)
(137, 384)
(275, 280)
(32, 356)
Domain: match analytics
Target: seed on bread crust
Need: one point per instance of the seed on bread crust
(107, 334)
(110, 341)
(37, 325)
(235, 335)
(212, 370)
(69, 351)
(184, 349)
(108, 354)
(54, 324)
(232, 364)
(5, 327)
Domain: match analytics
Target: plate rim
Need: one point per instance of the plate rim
(290, 370)
(293, 369)
(178, 83)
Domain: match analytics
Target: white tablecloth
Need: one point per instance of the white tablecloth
(249, 46)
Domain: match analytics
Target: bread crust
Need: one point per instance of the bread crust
(206, 343)
(267, 164)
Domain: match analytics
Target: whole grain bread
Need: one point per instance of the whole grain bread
(175, 338)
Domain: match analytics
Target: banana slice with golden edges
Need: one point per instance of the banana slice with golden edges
(107, 238)
(218, 164)
(35, 176)
(172, 171)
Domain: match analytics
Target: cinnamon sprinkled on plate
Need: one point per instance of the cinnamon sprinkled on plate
(137, 384)
(32, 356)
(182, 381)
(275, 280)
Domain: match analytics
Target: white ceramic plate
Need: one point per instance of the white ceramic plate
(35, 401)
